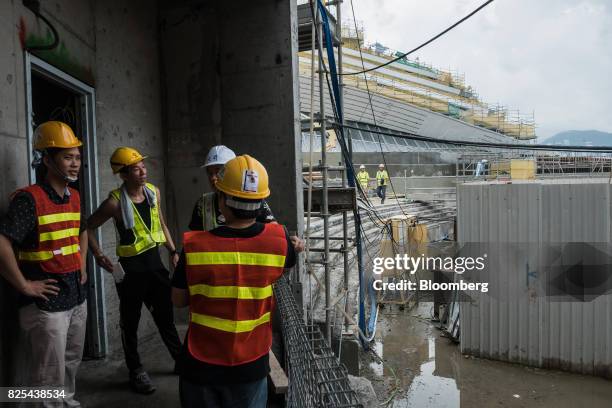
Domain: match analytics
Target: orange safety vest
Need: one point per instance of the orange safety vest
(230, 294)
(58, 228)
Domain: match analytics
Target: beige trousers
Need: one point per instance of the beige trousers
(53, 347)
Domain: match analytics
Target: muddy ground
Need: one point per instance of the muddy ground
(422, 368)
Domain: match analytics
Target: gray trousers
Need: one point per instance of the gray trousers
(53, 347)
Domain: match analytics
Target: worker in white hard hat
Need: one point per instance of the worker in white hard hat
(363, 177)
(382, 179)
(206, 214)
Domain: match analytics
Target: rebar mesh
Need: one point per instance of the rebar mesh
(316, 377)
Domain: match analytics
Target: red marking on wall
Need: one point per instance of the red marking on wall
(22, 31)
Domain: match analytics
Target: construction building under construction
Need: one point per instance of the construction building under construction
(267, 78)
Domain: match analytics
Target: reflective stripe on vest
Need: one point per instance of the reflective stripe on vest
(235, 258)
(144, 238)
(46, 255)
(209, 215)
(58, 228)
(230, 293)
(53, 235)
(48, 219)
(231, 326)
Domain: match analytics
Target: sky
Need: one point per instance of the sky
(549, 57)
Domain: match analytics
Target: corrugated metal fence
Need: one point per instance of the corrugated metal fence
(548, 246)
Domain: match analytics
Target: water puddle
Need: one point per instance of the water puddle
(428, 389)
(423, 369)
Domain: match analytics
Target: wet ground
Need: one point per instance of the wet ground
(421, 368)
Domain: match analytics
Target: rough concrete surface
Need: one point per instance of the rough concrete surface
(104, 383)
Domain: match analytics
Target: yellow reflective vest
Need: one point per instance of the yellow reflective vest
(363, 178)
(382, 177)
(144, 238)
(209, 215)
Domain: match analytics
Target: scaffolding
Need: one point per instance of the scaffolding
(499, 165)
(422, 85)
(316, 377)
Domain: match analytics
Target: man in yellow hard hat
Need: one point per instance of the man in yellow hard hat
(225, 276)
(43, 223)
(135, 208)
(363, 178)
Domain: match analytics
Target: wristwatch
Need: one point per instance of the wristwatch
(174, 252)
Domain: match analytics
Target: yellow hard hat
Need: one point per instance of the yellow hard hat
(123, 157)
(244, 177)
(55, 134)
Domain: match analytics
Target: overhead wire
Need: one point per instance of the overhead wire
(348, 161)
(373, 114)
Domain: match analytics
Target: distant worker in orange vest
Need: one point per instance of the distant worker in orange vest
(225, 276)
(43, 222)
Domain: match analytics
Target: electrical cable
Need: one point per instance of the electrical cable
(34, 7)
(420, 46)
(342, 140)
(373, 114)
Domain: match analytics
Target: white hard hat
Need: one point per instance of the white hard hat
(381, 165)
(361, 167)
(218, 155)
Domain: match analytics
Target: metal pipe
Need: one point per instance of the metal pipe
(344, 174)
(324, 198)
(329, 168)
(334, 250)
(332, 238)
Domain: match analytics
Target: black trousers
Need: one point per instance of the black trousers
(146, 281)
(381, 192)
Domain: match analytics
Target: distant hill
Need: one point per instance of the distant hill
(580, 138)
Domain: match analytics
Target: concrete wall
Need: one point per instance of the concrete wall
(192, 118)
(128, 109)
(260, 94)
(13, 146)
(235, 87)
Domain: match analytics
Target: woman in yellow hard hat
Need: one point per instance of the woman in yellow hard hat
(43, 223)
(225, 276)
(135, 208)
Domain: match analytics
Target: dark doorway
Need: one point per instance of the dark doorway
(51, 101)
